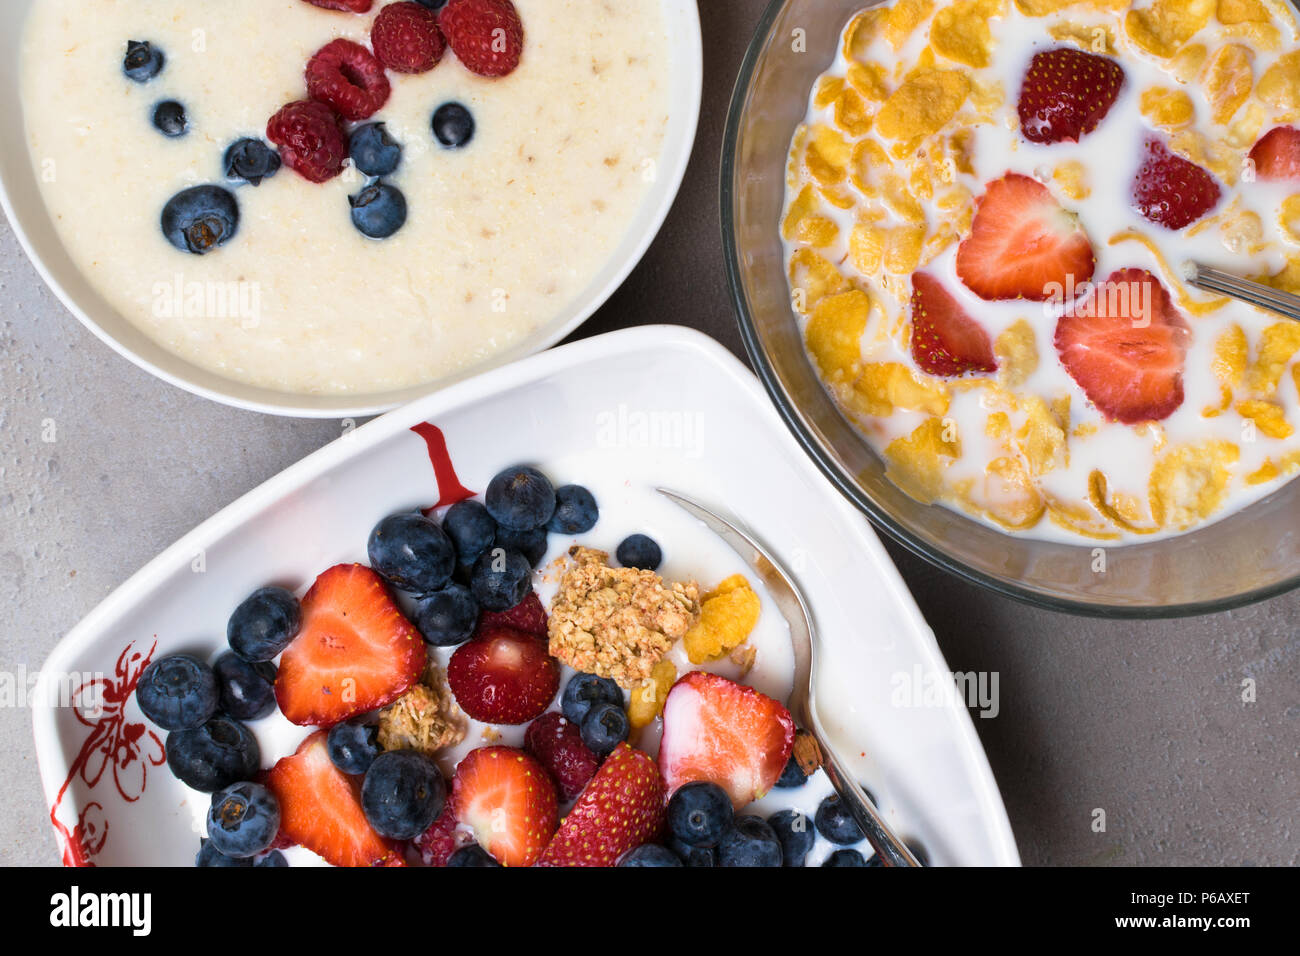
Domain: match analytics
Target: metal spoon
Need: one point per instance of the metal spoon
(1243, 290)
(891, 850)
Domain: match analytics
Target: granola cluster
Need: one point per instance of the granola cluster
(617, 622)
(425, 718)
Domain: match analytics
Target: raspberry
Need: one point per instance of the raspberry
(557, 745)
(441, 840)
(310, 140)
(406, 38)
(348, 77)
(351, 6)
(486, 35)
(528, 616)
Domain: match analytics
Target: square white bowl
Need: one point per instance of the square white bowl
(20, 197)
(113, 802)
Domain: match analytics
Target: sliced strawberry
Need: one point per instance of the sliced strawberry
(725, 733)
(1277, 154)
(1066, 94)
(1125, 345)
(354, 653)
(442, 839)
(557, 745)
(503, 676)
(528, 616)
(506, 798)
(320, 808)
(1171, 191)
(1023, 245)
(622, 808)
(945, 340)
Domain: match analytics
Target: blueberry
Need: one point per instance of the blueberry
(575, 511)
(795, 831)
(649, 854)
(845, 858)
(639, 551)
(169, 119)
(177, 692)
(412, 552)
(453, 125)
(264, 624)
(585, 690)
(531, 544)
(200, 219)
(447, 617)
(604, 728)
(434, 5)
(243, 819)
(247, 687)
(143, 61)
(353, 746)
(471, 529)
(520, 498)
(274, 859)
(694, 856)
(792, 776)
(836, 824)
(749, 841)
(699, 813)
(213, 756)
(209, 855)
(501, 579)
(378, 211)
(472, 855)
(250, 161)
(402, 794)
(373, 151)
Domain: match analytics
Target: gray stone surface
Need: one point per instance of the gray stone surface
(1142, 720)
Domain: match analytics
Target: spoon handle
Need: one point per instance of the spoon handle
(1244, 290)
(891, 850)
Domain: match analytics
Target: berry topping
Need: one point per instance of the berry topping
(486, 35)
(373, 151)
(503, 676)
(795, 832)
(639, 551)
(355, 652)
(349, 6)
(209, 855)
(575, 511)
(650, 854)
(439, 843)
(179, 692)
(200, 219)
(501, 578)
(402, 794)
(726, 733)
(447, 617)
(411, 552)
(528, 616)
(749, 841)
(1023, 245)
(320, 809)
(250, 161)
(264, 624)
(945, 340)
(470, 527)
(557, 745)
(347, 76)
(506, 798)
(604, 728)
(213, 755)
(143, 61)
(846, 858)
(1277, 154)
(1066, 94)
(1125, 345)
(406, 39)
(378, 211)
(353, 746)
(584, 691)
(835, 823)
(310, 140)
(1171, 191)
(170, 120)
(699, 813)
(531, 544)
(622, 808)
(243, 820)
(453, 125)
(520, 498)
(247, 687)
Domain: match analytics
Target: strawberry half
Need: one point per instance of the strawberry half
(354, 653)
(945, 340)
(622, 808)
(725, 733)
(1171, 191)
(1125, 345)
(320, 808)
(1066, 94)
(1023, 245)
(1277, 154)
(506, 798)
(503, 676)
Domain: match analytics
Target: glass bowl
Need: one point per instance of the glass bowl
(1248, 556)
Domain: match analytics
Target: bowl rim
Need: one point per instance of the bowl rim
(825, 461)
(687, 45)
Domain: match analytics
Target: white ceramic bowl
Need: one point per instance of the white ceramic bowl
(580, 412)
(22, 203)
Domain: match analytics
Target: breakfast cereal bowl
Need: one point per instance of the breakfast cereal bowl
(1244, 555)
(503, 252)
